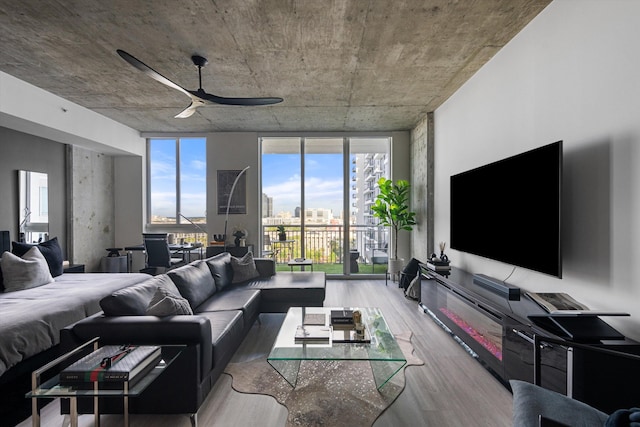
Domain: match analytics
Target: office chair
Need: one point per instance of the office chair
(157, 253)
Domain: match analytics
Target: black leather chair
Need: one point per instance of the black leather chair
(158, 257)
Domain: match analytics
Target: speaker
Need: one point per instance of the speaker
(512, 293)
(5, 242)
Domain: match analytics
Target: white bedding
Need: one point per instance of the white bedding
(31, 320)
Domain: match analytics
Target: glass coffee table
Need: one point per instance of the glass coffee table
(382, 352)
(52, 388)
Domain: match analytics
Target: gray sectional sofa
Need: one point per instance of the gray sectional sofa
(224, 305)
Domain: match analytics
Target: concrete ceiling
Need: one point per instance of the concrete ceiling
(341, 65)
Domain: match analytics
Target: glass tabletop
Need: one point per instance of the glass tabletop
(382, 351)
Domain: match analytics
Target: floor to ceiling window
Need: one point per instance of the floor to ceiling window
(177, 187)
(320, 190)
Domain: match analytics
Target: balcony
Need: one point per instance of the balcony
(324, 245)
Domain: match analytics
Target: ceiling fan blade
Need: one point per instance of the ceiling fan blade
(234, 101)
(151, 72)
(188, 112)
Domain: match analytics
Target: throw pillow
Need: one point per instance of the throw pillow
(134, 300)
(194, 281)
(165, 303)
(50, 249)
(244, 268)
(28, 271)
(221, 270)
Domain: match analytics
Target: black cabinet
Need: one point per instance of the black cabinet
(500, 334)
(236, 251)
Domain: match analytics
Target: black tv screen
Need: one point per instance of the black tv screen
(510, 210)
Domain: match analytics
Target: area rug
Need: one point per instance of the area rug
(327, 393)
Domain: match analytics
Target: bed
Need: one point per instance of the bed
(31, 319)
(30, 324)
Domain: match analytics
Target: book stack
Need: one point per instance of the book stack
(438, 266)
(111, 366)
(342, 319)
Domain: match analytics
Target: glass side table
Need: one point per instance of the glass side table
(52, 388)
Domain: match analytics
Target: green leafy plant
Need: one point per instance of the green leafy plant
(392, 207)
(282, 234)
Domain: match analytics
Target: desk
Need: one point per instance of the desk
(176, 248)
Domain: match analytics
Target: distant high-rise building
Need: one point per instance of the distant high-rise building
(267, 206)
(296, 212)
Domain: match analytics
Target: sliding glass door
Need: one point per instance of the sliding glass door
(319, 190)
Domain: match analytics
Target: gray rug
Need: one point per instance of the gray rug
(328, 393)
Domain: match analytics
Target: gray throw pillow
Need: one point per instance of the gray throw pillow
(244, 268)
(166, 303)
(134, 300)
(29, 271)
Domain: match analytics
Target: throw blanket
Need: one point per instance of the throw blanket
(31, 320)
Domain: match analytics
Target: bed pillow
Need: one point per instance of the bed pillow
(167, 303)
(244, 268)
(51, 251)
(134, 300)
(29, 271)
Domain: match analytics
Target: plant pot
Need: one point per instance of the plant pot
(282, 236)
(395, 266)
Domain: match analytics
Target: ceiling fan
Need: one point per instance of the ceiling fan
(198, 97)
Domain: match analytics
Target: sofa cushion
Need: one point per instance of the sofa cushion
(289, 289)
(194, 281)
(246, 300)
(221, 270)
(243, 268)
(227, 332)
(167, 303)
(134, 300)
(29, 271)
(50, 250)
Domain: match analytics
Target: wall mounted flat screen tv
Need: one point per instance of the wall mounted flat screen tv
(510, 210)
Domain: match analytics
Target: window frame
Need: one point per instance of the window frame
(181, 225)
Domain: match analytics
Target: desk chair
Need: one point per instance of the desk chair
(157, 253)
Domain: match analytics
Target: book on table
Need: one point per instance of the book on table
(351, 336)
(556, 301)
(111, 366)
(342, 317)
(317, 333)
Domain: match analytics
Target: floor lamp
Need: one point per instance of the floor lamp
(226, 218)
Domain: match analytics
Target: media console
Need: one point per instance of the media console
(499, 332)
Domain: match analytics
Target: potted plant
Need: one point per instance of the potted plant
(392, 208)
(282, 234)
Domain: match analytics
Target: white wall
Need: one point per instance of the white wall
(571, 75)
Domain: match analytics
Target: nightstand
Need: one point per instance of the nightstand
(74, 268)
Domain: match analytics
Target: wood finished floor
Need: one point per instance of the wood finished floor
(451, 389)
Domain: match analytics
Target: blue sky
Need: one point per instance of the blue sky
(281, 179)
(323, 183)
